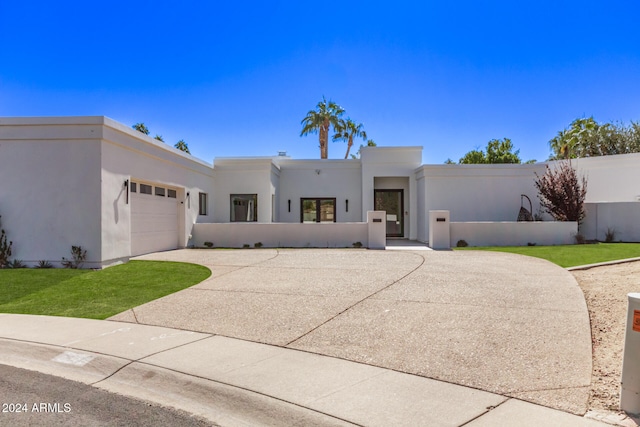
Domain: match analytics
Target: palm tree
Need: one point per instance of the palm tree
(140, 127)
(347, 130)
(573, 142)
(325, 115)
(558, 145)
(182, 146)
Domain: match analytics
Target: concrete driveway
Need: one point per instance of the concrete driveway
(503, 323)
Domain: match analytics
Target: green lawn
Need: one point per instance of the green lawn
(571, 255)
(93, 294)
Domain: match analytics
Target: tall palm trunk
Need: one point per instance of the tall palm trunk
(349, 144)
(324, 139)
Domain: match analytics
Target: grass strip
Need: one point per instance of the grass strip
(571, 255)
(94, 294)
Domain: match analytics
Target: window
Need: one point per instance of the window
(145, 189)
(171, 193)
(134, 187)
(244, 207)
(160, 191)
(317, 210)
(202, 200)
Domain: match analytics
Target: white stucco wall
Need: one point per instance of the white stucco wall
(623, 217)
(392, 162)
(610, 178)
(339, 179)
(242, 176)
(513, 233)
(477, 192)
(128, 154)
(275, 235)
(65, 181)
(50, 188)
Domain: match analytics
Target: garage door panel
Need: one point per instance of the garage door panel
(154, 223)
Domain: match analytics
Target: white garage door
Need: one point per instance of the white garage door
(154, 218)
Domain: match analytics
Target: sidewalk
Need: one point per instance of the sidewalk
(236, 382)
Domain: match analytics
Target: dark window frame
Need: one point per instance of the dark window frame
(146, 189)
(246, 197)
(160, 191)
(319, 201)
(203, 199)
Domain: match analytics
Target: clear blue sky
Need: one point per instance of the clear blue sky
(236, 78)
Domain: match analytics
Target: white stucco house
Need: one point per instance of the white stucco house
(96, 183)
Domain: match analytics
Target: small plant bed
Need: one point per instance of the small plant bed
(571, 255)
(94, 294)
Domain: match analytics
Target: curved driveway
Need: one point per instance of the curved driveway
(504, 323)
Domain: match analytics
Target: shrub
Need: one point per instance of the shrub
(5, 248)
(44, 264)
(78, 254)
(580, 239)
(16, 263)
(462, 244)
(208, 244)
(257, 245)
(357, 245)
(610, 235)
(562, 193)
(531, 243)
(246, 246)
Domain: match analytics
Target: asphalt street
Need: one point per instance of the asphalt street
(29, 398)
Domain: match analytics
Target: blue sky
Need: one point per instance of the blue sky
(236, 78)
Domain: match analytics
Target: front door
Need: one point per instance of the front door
(391, 201)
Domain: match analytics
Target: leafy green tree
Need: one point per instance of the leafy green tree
(140, 127)
(587, 138)
(347, 130)
(474, 157)
(182, 146)
(497, 151)
(501, 151)
(320, 120)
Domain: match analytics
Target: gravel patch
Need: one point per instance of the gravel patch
(605, 289)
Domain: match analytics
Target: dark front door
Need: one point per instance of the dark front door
(391, 201)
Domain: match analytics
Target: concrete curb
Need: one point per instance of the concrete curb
(603, 264)
(235, 382)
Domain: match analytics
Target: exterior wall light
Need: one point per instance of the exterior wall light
(347, 205)
(289, 205)
(126, 190)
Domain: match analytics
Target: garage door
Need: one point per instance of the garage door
(154, 218)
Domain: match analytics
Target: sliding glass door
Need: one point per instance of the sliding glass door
(317, 210)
